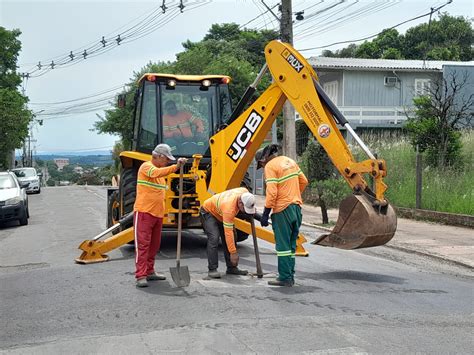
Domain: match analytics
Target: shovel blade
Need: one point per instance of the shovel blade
(360, 225)
(180, 276)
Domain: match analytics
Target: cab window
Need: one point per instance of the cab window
(148, 131)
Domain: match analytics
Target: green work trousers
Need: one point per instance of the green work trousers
(286, 226)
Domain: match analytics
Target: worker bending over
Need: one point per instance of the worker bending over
(217, 217)
(284, 184)
(149, 210)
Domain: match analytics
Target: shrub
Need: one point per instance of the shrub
(316, 163)
(333, 190)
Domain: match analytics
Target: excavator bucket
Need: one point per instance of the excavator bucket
(361, 225)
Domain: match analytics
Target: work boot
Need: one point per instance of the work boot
(214, 274)
(156, 276)
(142, 282)
(236, 271)
(287, 283)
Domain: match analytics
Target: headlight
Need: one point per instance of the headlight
(13, 201)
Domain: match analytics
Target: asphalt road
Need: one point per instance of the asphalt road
(345, 302)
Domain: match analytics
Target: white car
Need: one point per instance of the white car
(30, 176)
(13, 199)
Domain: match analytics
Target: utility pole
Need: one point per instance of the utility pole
(289, 132)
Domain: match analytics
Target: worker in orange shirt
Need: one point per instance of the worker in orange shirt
(217, 217)
(149, 210)
(284, 184)
(181, 127)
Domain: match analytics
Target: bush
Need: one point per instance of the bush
(316, 163)
(333, 191)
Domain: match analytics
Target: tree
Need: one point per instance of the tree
(447, 107)
(446, 38)
(449, 38)
(14, 116)
(386, 45)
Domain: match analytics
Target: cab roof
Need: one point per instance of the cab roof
(179, 77)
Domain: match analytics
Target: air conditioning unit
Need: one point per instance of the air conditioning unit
(390, 80)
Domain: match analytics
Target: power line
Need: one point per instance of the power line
(78, 99)
(368, 37)
(150, 23)
(345, 19)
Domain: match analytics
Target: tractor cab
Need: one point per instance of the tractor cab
(183, 111)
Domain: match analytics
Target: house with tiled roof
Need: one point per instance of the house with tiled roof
(380, 92)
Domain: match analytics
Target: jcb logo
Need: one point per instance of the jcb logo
(290, 58)
(238, 148)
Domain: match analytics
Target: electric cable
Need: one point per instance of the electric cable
(371, 36)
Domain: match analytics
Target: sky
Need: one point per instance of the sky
(52, 29)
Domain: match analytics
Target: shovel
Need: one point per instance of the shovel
(180, 274)
(255, 247)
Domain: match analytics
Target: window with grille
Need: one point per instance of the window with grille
(422, 87)
(330, 88)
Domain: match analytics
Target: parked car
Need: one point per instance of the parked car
(31, 176)
(13, 199)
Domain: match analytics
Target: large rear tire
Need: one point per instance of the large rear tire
(128, 191)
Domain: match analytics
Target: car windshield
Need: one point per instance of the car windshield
(6, 182)
(25, 172)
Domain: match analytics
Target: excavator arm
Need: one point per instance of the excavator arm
(366, 219)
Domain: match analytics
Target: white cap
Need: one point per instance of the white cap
(164, 149)
(249, 202)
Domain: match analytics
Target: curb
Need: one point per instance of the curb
(405, 249)
(326, 229)
(433, 256)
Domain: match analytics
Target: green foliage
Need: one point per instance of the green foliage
(387, 43)
(90, 178)
(333, 190)
(51, 182)
(316, 163)
(302, 134)
(450, 36)
(434, 127)
(10, 46)
(347, 52)
(446, 38)
(443, 189)
(14, 117)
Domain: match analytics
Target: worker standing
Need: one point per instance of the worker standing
(284, 184)
(149, 210)
(217, 218)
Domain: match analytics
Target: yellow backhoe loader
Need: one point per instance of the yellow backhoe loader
(193, 115)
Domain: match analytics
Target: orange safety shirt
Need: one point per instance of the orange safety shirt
(285, 183)
(224, 207)
(180, 125)
(151, 188)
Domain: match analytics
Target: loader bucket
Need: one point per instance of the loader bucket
(361, 225)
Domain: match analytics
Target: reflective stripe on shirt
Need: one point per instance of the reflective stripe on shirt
(156, 186)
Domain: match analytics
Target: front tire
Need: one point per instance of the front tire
(24, 219)
(113, 213)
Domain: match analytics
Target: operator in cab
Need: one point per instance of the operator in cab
(217, 218)
(182, 129)
(284, 184)
(149, 210)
